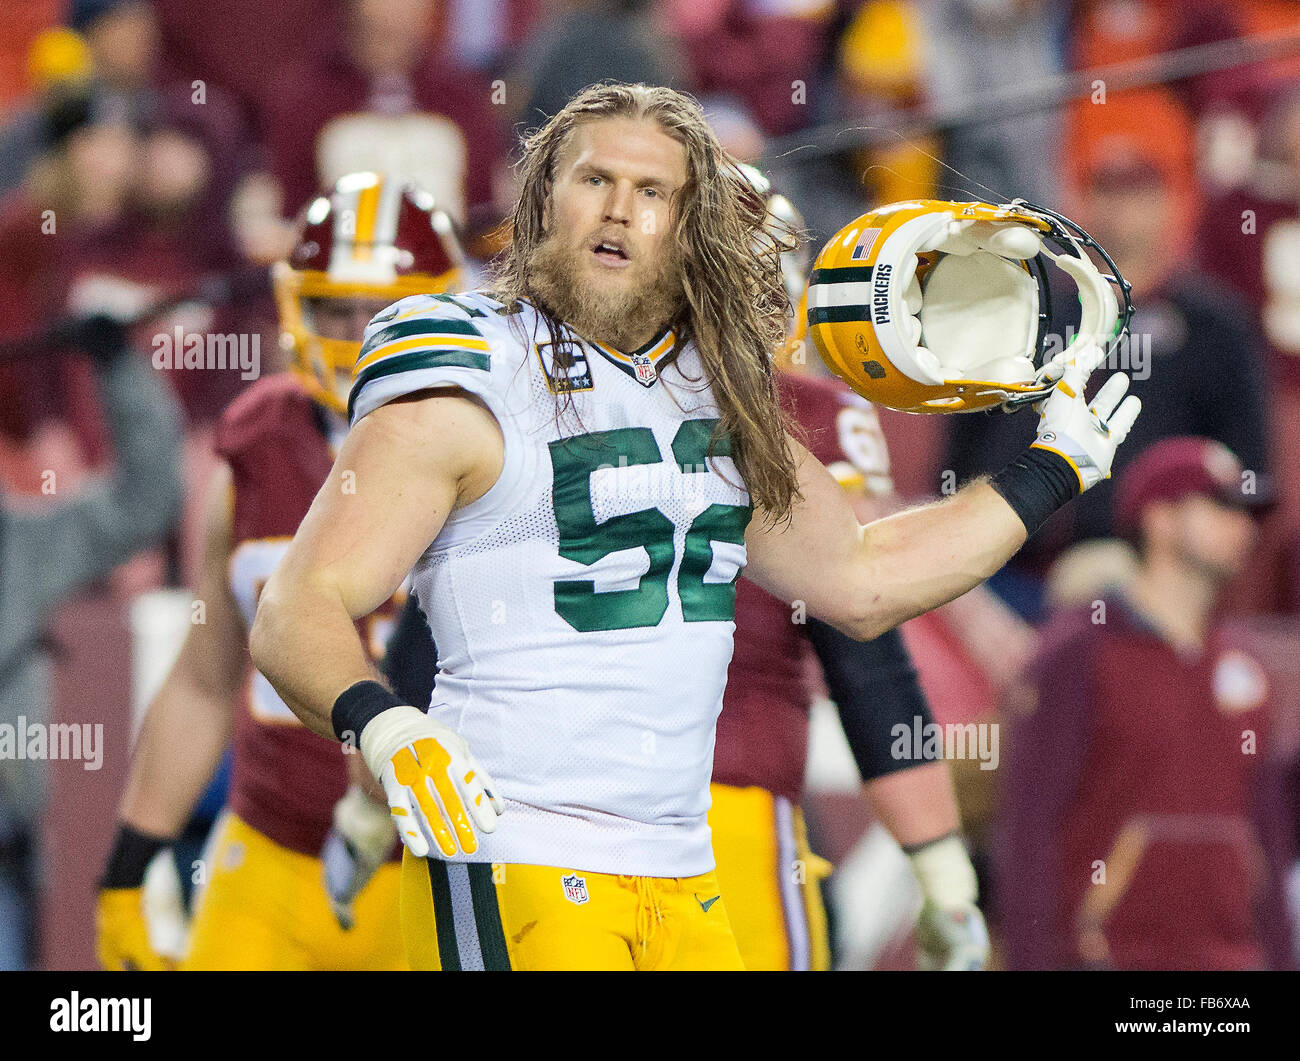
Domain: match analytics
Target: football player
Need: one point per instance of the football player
(577, 462)
(301, 832)
(770, 878)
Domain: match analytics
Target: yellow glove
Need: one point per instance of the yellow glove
(437, 793)
(121, 934)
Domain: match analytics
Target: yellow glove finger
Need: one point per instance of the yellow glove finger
(410, 772)
(436, 761)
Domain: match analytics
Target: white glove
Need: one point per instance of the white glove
(950, 931)
(436, 791)
(1086, 435)
(356, 846)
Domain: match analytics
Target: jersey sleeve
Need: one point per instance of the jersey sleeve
(420, 342)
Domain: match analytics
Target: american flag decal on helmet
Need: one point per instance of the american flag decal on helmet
(866, 241)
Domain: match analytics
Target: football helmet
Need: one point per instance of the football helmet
(942, 307)
(786, 225)
(373, 237)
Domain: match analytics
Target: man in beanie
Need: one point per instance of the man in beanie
(1139, 827)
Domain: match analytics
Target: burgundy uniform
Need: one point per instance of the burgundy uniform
(285, 779)
(1134, 762)
(762, 735)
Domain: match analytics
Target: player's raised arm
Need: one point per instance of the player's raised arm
(939, 307)
(866, 579)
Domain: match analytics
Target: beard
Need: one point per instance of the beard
(626, 317)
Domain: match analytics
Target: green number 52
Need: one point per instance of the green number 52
(583, 539)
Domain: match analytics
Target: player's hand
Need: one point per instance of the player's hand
(950, 933)
(1086, 435)
(356, 846)
(122, 933)
(952, 939)
(437, 792)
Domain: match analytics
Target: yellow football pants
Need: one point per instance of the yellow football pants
(264, 907)
(496, 916)
(770, 880)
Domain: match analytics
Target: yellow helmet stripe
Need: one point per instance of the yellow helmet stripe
(367, 209)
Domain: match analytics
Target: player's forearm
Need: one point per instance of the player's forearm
(185, 732)
(305, 642)
(918, 559)
(916, 805)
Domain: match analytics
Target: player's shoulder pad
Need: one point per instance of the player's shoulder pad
(416, 342)
(270, 406)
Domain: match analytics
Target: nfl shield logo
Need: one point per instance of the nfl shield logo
(645, 369)
(575, 889)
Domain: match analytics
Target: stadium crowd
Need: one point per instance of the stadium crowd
(154, 155)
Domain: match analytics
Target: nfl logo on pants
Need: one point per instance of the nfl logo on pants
(575, 889)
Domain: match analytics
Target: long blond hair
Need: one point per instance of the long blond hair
(735, 301)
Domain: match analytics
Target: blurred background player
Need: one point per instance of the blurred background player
(1141, 823)
(294, 818)
(769, 877)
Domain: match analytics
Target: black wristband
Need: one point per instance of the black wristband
(132, 852)
(356, 706)
(1036, 484)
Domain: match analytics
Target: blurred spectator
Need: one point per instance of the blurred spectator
(977, 49)
(1110, 32)
(581, 42)
(124, 44)
(1141, 825)
(59, 63)
(1192, 354)
(115, 219)
(766, 53)
(374, 96)
(240, 46)
(878, 69)
(49, 552)
(482, 36)
(1250, 241)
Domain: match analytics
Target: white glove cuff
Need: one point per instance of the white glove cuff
(390, 731)
(944, 871)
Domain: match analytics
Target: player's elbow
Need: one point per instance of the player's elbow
(864, 619)
(267, 636)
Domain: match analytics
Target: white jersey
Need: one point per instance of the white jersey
(583, 607)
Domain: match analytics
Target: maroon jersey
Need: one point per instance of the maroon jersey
(285, 779)
(1131, 761)
(762, 736)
